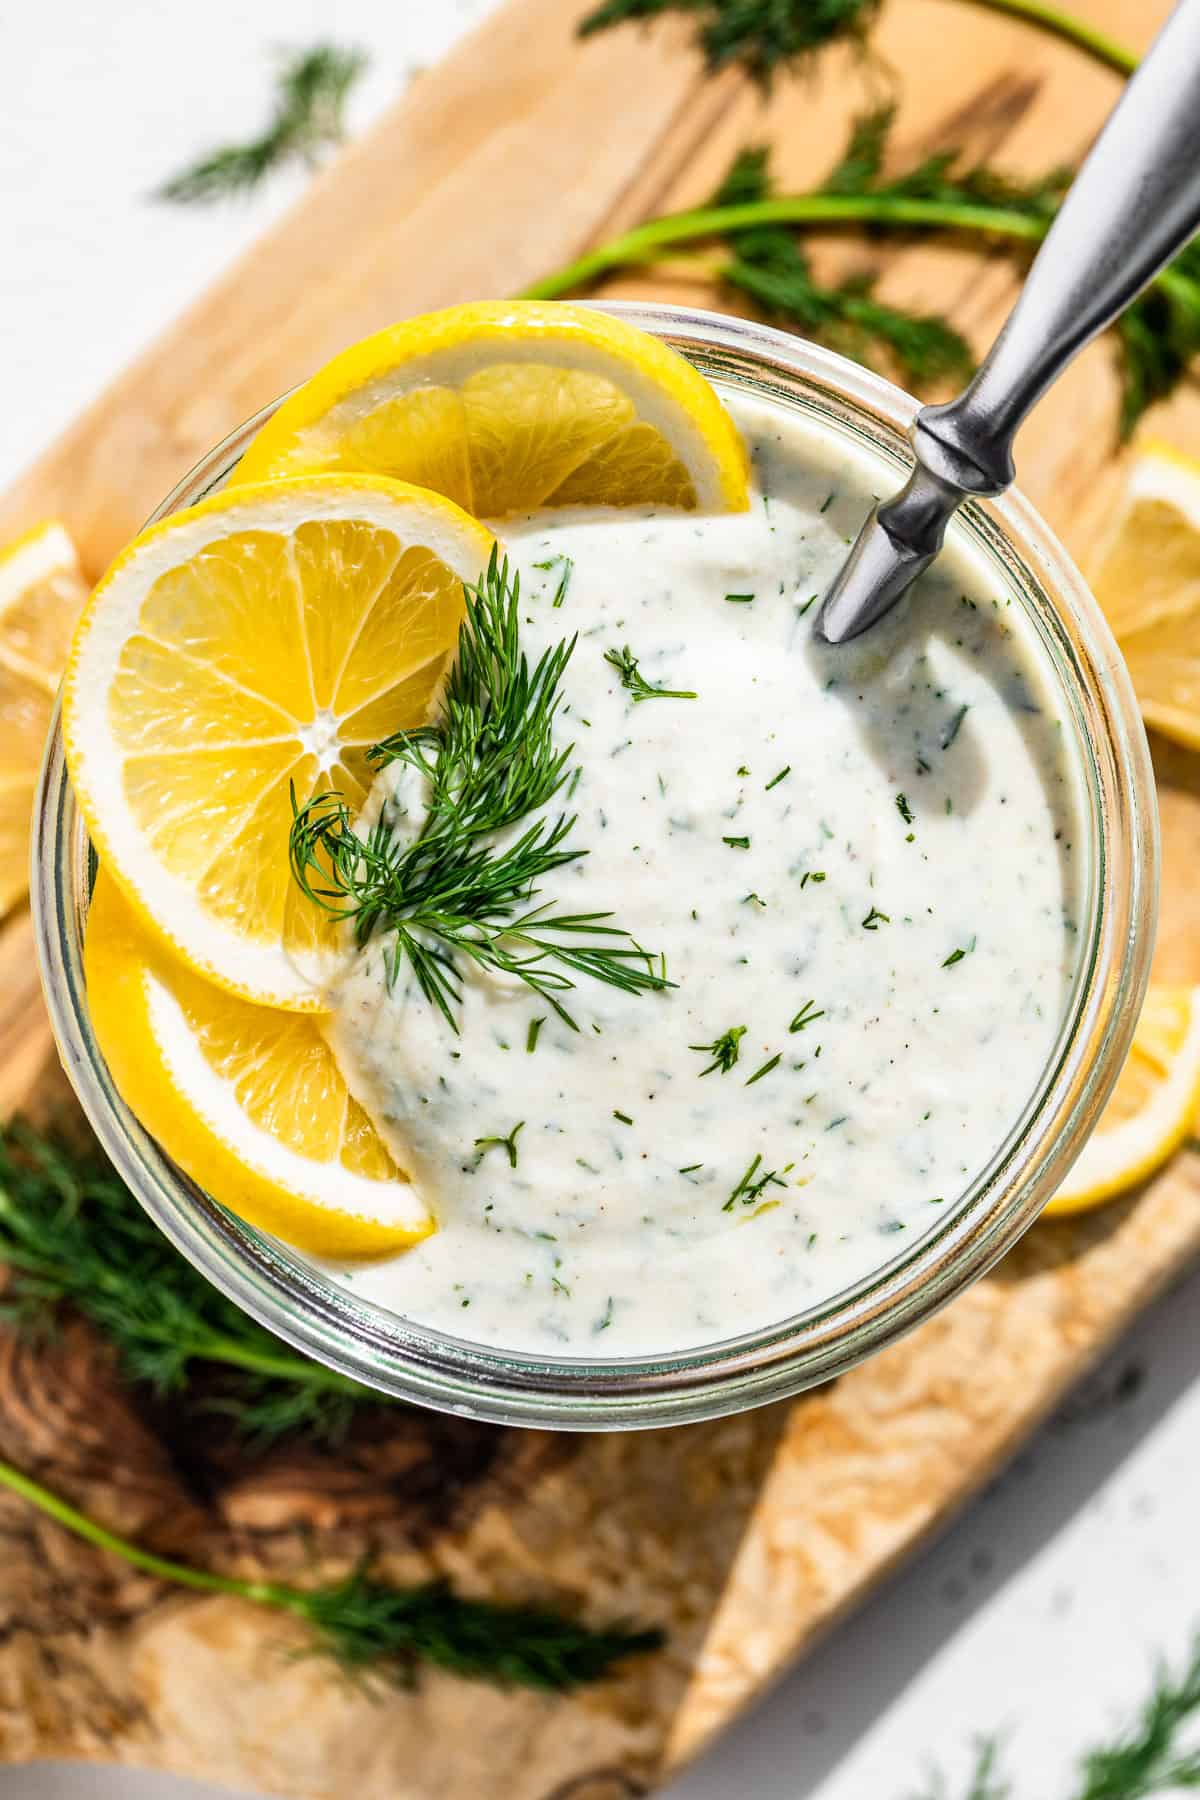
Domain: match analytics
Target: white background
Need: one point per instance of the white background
(1041, 1612)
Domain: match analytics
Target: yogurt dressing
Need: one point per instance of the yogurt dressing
(861, 862)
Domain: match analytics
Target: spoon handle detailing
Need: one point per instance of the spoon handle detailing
(1132, 206)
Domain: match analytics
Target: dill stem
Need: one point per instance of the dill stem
(1070, 29)
(282, 1365)
(641, 244)
(162, 1567)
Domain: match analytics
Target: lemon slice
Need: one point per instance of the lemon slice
(511, 406)
(248, 1101)
(1148, 582)
(1153, 1108)
(259, 641)
(41, 592)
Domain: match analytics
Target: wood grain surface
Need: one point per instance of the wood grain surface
(746, 1538)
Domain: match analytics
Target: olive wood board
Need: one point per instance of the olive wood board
(745, 1539)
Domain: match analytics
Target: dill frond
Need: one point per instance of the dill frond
(763, 36)
(71, 1233)
(1147, 1758)
(310, 100)
(450, 894)
(770, 265)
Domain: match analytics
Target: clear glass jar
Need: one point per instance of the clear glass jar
(294, 1299)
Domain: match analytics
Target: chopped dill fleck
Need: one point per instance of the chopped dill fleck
(724, 1050)
(750, 1187)
(765, 1070)
(690, 1168)
(953, 728)
(605, 1319)
(801, 610)
(753, 899)
(874, 918)
(508, 1144)
(531, 1038)
(624, 1117)
(635, 683)
(808, 1012)
(742, 769)
(776, 779)
(904, 809)
(737, 843)
(811, 875)
(829, 500)
(739, 599)
(567, 565)
(956, 956)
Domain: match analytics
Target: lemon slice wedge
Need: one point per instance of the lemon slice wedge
(1148, 582)
(41, 592)
(511, 406)
(1153, 1109)
(247, 1100)
(252, 646)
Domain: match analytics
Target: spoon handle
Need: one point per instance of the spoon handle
(1133, 204)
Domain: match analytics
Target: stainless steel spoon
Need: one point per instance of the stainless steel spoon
(1134, 203)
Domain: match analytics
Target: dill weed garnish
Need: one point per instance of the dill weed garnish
(71, 1234)
(448, 894)
(724, 1050)
(373, 1630)
(632, 679)
(310, 101)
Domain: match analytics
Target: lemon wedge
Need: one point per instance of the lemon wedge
(1148, 582)
(247, 1100)
(41, 592)
(1153, 1109)
(253, 645)
(511, 406)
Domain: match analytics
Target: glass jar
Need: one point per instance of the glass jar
(300, 1304)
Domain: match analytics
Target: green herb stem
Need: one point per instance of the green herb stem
(643, 242)
(1069, 28)
(368, 1626)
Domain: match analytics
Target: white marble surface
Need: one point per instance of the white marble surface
(1041, 1611)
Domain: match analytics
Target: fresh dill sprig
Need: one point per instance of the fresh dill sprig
(632, 679)
(372, 1629)
(448, 895)
(767, 36)
(310, 100)
(1147, 1759)
(1158, 337)
(764, 36)
(71, 1233)
(770, 265)
(724, 1050)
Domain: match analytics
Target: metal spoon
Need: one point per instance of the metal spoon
(1134, 203)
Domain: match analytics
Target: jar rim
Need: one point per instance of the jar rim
(381, 1349)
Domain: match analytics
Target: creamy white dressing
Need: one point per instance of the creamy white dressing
(864, 856)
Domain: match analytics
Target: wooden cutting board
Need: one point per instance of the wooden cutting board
(747, 1538)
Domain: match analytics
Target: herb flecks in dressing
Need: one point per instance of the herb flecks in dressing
(870, 936)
